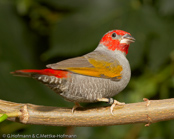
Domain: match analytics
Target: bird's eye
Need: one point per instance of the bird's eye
(114, 35)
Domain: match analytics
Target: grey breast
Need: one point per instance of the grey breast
(81, 88)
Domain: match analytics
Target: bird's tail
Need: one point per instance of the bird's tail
(35, 72)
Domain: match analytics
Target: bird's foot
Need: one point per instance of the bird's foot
(114, 104)
(75, 106)
(111, 101)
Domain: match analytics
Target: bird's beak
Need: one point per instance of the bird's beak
(127, 39)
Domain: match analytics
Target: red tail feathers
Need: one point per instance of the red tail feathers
(49, 72)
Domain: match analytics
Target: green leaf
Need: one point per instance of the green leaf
(3, 117)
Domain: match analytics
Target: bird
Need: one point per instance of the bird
(94, 77)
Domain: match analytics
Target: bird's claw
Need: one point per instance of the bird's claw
(111, 101)
(77, 105)
(114, 104)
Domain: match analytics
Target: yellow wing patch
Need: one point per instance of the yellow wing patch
(101, 69)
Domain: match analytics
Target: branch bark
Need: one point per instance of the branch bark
(149, 111)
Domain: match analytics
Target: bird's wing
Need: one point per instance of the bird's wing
(94, 64)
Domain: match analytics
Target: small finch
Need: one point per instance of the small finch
(96, 76)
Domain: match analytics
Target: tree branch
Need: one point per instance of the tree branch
(150, 111)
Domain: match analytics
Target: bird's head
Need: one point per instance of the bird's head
(117, 40)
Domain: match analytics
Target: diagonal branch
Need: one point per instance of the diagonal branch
(143, 112)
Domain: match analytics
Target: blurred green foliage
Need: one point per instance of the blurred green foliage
(34, 33)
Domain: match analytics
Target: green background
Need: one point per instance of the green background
(34, 33)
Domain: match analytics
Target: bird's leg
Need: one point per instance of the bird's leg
(76, 106)
(111, 101)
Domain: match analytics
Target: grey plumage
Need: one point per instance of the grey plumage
(96, 76)
(82, 88)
